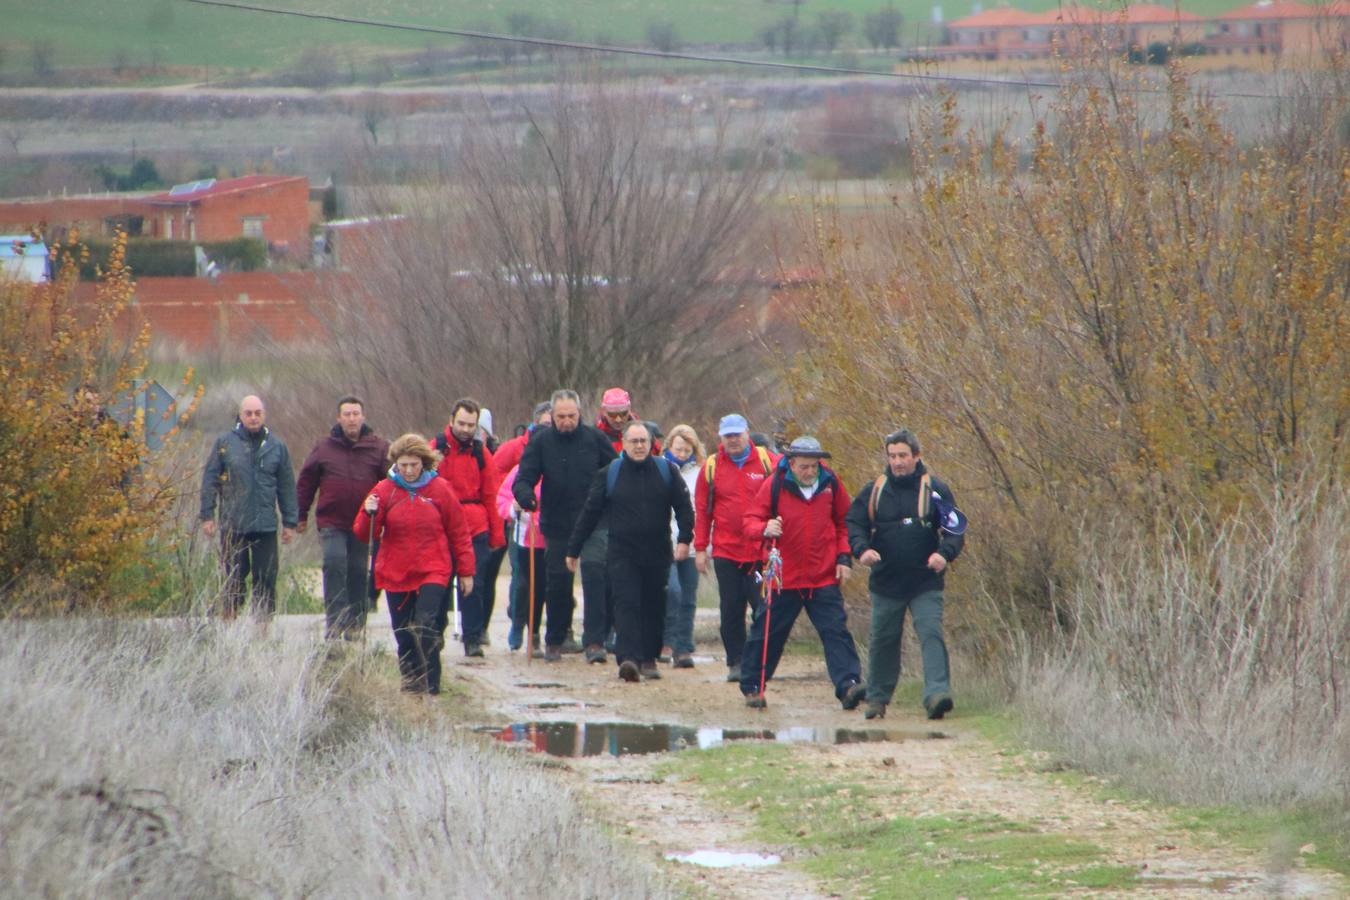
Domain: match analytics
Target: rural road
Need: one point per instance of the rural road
(942, 768)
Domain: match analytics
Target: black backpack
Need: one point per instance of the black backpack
(476, 448)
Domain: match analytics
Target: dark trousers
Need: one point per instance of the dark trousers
(416, 617)
(488, 570)
(344, 583)
(736, 592)
(472, 615)
(639, 593)
(825, 607)
(249, 554)
(597, 616)
(558, 592)
(520, 587)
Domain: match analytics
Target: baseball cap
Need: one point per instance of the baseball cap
(733, 424)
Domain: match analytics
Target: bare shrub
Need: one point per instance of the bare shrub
(1124, 314)
(582, 240)
(198, 760)
(1215, 672)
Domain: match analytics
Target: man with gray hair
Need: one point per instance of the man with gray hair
(249, 473)
(566, 457)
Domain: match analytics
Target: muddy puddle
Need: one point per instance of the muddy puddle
(573, 739)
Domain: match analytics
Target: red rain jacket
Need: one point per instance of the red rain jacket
(733, 489)
(815, 538)
(475, 488)
(424, 538)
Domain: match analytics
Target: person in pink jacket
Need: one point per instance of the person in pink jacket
(526, 539)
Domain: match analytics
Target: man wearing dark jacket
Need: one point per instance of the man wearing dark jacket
(893, 529)
(342, 469)
(566, 456)
(249, 472)
(639, 491)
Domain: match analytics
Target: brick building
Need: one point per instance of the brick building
(273, 208)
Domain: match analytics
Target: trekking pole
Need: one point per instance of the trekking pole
(529, 623)
(771, 580)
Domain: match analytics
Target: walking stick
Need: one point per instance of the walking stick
(771, 580)
(529, 623)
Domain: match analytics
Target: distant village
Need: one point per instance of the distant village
(1266, 28)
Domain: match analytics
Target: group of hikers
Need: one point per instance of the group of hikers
(641, 515)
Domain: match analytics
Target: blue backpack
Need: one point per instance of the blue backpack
(612, 476)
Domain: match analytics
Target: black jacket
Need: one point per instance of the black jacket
(639, 512)
(567, 463)
(904, 542)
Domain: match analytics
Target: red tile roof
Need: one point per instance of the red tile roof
(1285, 9)
(1133, 14)
(212, 188)
(999, 17)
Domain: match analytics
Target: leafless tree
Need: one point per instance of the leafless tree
(587, 237)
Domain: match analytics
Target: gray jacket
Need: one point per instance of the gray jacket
(251, 477)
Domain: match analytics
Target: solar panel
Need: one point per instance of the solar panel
(192, 187)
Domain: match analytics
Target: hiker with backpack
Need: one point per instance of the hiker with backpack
(466, 466)
(727, 484)
(798, 514)
(639, 491)
(424, 542)
(566, 456)
(905, 528)
(685, 452)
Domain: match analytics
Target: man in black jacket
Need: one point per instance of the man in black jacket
(639, 491)
(566, 456)
(893, 528)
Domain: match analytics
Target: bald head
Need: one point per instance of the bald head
(252, 413)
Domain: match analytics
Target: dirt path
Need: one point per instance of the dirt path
(958, 774)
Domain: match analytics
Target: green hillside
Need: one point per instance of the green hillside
(77, 33)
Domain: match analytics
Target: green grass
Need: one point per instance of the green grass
(1320, 837)
(176, 33)
(854, 842)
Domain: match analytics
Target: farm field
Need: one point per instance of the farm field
(176, 33)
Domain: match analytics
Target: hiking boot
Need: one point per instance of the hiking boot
(756, 701)
(938, 706)
(595, 654)
(686, 661)
(853, 695)
(874, 710)
(552, 653)
(570, 646)
(666, 655)
(473, 649)
(486, 641)
(734, 673)
(650, 672)
(534, 643)
(628, 671)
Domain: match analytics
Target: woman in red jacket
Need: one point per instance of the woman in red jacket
(424, 540)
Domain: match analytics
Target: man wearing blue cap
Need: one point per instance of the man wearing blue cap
(905, 528)
(728, 482)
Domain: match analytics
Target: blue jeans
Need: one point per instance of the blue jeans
(825, 607)
(681, 602)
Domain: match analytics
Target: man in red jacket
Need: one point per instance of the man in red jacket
(341, 469)
(801, 511)
(466, 465)
(728, 483)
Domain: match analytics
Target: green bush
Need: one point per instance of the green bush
(154, 258)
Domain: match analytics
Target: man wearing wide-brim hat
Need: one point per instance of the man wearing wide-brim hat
(800, 510)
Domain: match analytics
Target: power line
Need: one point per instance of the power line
(660, 54)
